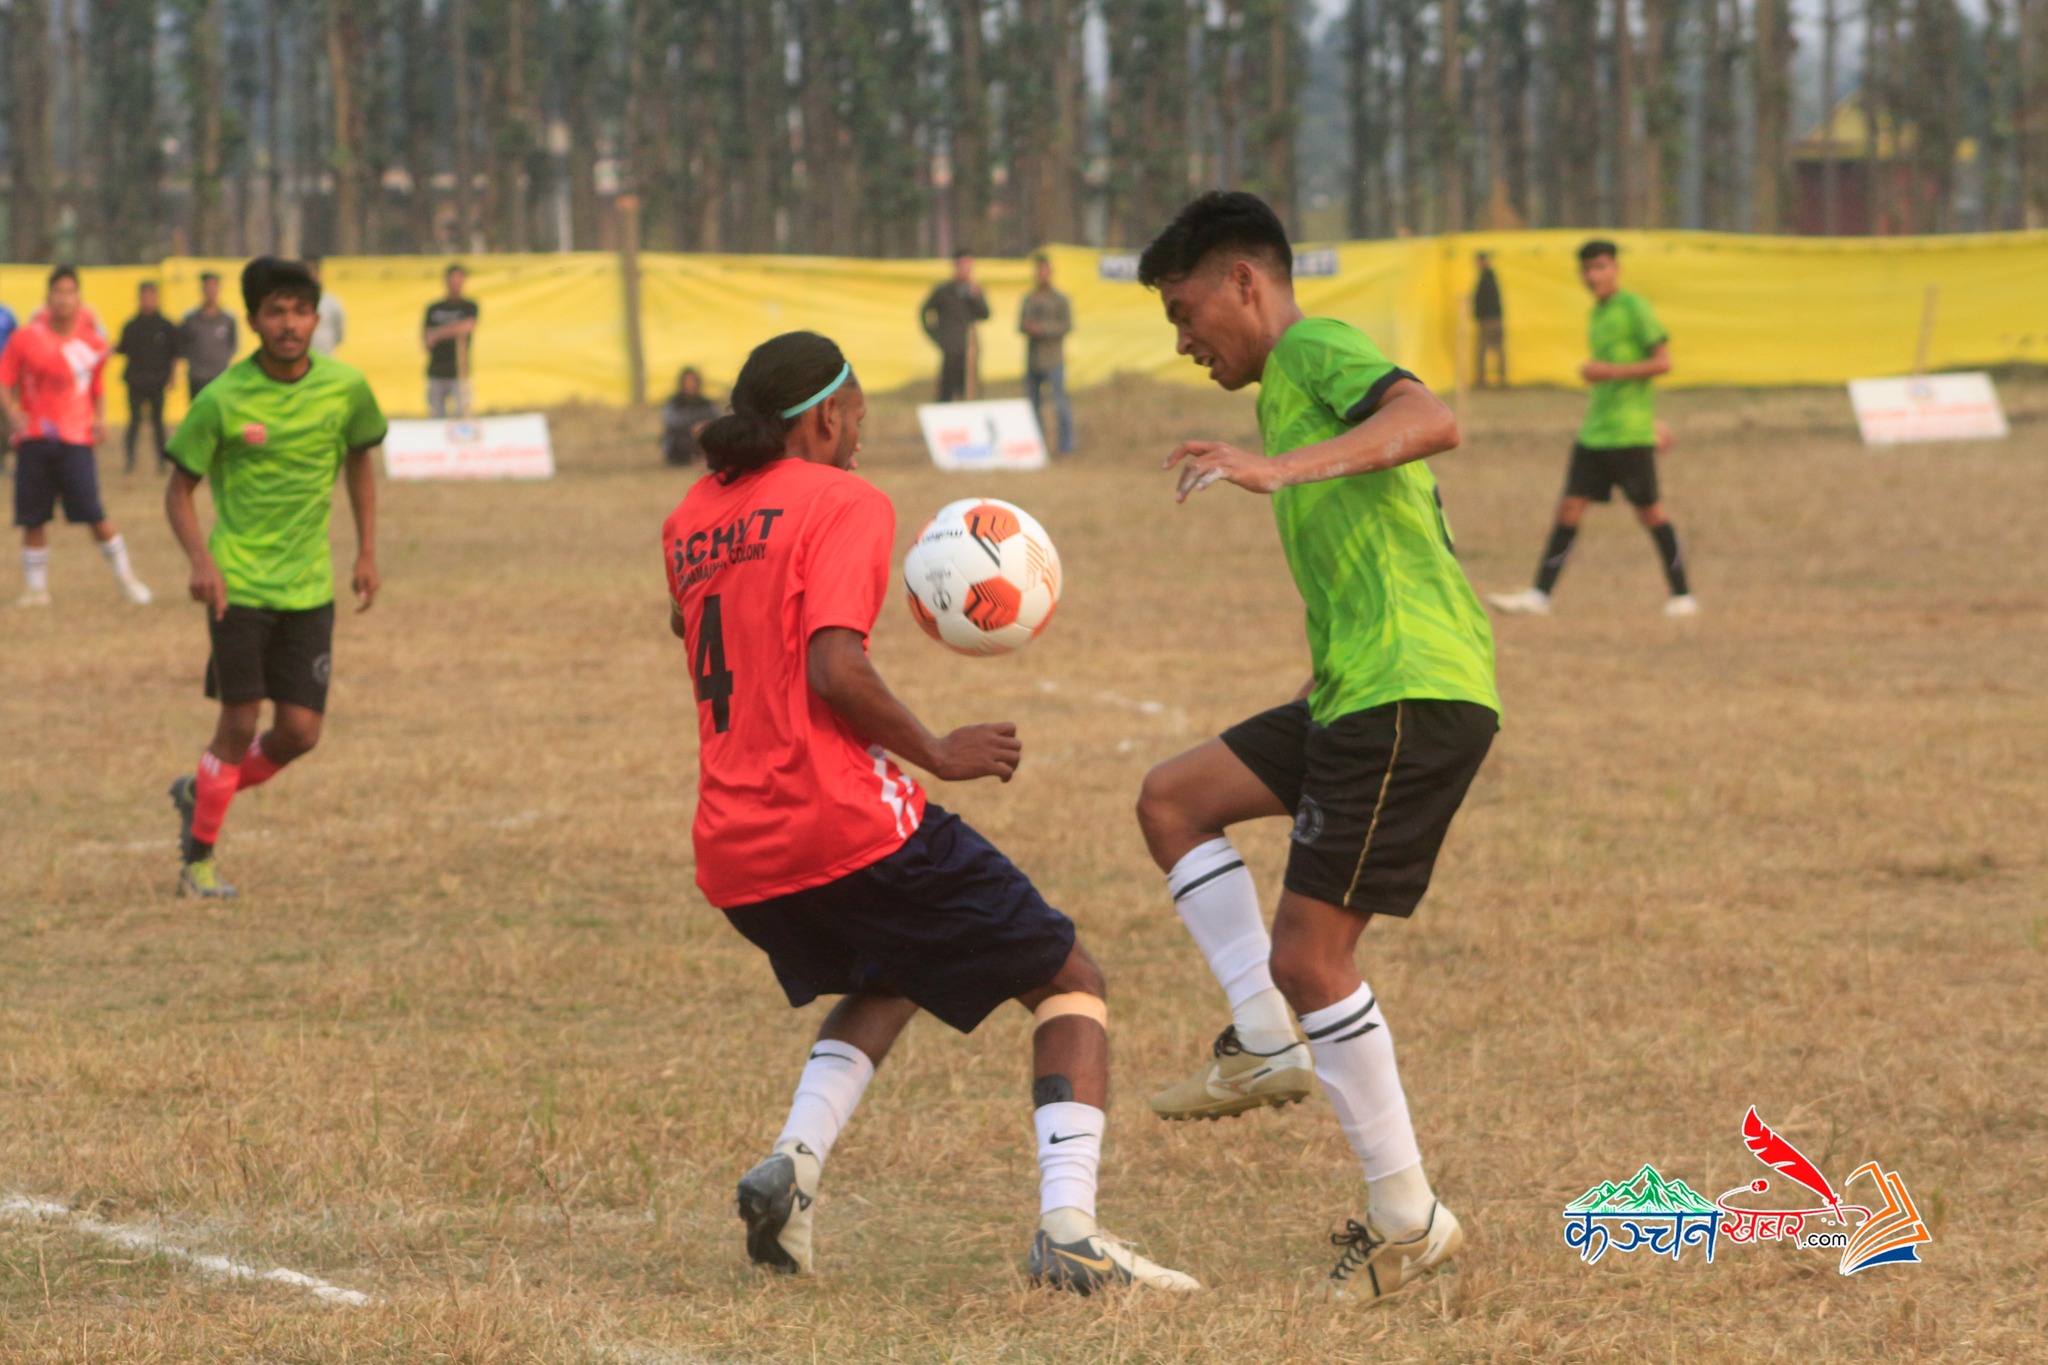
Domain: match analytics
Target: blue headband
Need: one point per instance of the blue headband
(822, 394)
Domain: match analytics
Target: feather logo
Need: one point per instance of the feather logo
(1781, 1156)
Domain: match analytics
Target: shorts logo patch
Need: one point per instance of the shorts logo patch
(323, 668)
(254, 434)
(1308, 822)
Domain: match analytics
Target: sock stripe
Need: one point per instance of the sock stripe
(1359, 1034)
(1318, 1034)
(1206, 878)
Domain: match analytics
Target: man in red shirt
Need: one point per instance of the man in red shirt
(51, 378)
(822, 852)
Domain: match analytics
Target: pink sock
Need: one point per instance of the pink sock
(216, 784)
(257, 767)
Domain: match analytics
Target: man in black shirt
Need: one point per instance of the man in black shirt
(684, 417)
(150, 343)
(207, 339)
(451, 322)
(1486, 313)
(949, 314)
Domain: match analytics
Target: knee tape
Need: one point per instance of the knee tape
(1073, 1002)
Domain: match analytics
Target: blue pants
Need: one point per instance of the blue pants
(1035, 384)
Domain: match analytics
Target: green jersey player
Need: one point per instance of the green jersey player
(1374, 756)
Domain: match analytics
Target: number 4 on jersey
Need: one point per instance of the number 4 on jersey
(712, 677)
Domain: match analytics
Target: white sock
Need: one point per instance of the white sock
(1213, 890)
(1355, 1062)
(833, 1081)
(116, 551)
(1069, 1155)
(35, 568)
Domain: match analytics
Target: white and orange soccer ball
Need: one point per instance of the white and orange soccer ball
(983, 577)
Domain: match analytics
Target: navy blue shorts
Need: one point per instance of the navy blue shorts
(49, 470)
(946, 921)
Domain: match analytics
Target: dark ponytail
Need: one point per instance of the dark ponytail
(781, 373)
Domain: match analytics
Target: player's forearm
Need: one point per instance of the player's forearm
(1413, 425)
(362, 499)
(183, 515)
(846, 681)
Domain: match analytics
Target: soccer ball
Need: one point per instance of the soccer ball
(983, 577)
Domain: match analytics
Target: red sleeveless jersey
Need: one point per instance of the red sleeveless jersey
(788, 797)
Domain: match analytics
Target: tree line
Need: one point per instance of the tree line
(133, 128)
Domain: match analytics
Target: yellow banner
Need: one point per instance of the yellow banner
(1741, 310)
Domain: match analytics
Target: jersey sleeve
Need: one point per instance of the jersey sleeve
(197, 440)
(1347, 374)
(366, 424)
(846, 563)
(1649, 332)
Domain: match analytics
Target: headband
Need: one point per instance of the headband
(822, 394)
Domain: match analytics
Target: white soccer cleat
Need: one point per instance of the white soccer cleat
(775, 1201)
(1684, 604)
(137, 591)
(1238, 1080)
(1527, 602)
(33, 597)
(1375, 1264)
(1069, 1252)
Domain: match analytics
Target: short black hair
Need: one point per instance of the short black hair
(146, 284)
(1221, 220)
(454, 266)
(206, 275)
(63, 272)
(267, 276)
(963, 253)
(1597, 248)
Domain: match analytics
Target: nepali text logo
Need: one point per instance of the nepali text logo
(1667, 1216)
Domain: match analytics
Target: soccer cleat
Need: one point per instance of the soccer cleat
(1683, 604)
(1374, 1264)
(136, 591)
(1238, 1080)
(1527, 602)
(775, 1202)
(33, 597)
(1095, 1261)
(202, 879)
(185, 797)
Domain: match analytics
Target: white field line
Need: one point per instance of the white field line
(16, 1209)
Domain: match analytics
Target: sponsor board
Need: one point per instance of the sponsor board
(513, 447)
(1933, 407)
(999, 433)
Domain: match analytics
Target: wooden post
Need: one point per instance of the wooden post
(1462, 369)
(629, 271)
(1926, 347)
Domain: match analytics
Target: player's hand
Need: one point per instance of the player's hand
(989, 750)
(207, 586)
(1205, 462)
(365, 582)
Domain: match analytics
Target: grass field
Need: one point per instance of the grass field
(472, 1043)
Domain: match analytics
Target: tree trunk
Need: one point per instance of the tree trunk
(126, 153)
(461, 133)
(1621, 138)
(1771, 90)
(1450, 140)
(1365, 146)
(203, 96)
(2031, 133)
(1657, 98)
(1829, 189)
(28, 128)
(347, 159)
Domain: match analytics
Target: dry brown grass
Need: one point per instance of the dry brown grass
(472, 1042)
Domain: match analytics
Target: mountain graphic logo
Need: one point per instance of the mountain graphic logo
(1644, 1192)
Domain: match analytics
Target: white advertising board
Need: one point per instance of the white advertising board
(998, 434)
(514, 447)
(1933, 407)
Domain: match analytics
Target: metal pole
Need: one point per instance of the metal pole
(629, 272)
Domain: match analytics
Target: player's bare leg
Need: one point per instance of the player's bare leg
(1184, 808)
(1069, 1093)
(776, 1196)
(237, 758)
(1406, 1231)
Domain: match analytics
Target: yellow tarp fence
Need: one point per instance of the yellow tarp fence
(1741, 310)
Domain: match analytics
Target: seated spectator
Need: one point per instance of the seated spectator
(683, 417)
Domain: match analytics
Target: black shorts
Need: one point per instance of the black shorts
(259, 652)
(1372, 793)
(946, 921)
(50, 470)
(1595, 473)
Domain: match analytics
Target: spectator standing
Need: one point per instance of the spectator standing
(684, 417)
(332, 329)
(949, 314)
(52, 387)
(1490, 322)
(207, 338)
(149, 343)
(1045, 319)
(451, 323)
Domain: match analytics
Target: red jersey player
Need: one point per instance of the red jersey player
(822, 852)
